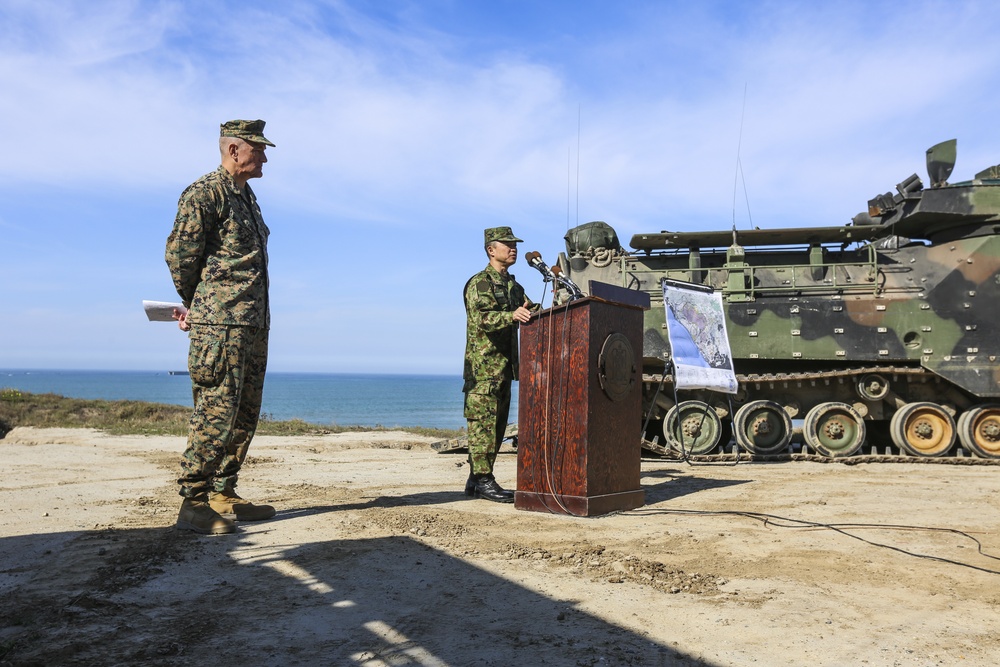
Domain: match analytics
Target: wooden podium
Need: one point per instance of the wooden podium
(579, 407)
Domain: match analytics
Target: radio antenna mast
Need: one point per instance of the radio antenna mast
(739, 165)
(569, 172)
(569, 184)
(579, 114)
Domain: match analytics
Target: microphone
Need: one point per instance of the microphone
(574, 291)
(553, 275)
(534, 258)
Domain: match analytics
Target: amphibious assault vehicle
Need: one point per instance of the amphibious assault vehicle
(882, 332)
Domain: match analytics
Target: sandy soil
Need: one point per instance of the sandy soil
(377, 558)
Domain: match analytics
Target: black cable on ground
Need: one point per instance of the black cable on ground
(785, 522)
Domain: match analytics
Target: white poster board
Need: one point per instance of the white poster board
(699, 342)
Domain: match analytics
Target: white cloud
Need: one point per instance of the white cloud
(371, 113)
(399, 138)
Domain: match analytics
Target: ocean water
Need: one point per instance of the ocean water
(433, 401)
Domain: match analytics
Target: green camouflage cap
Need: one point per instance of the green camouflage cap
(247, 130)
(499, 234)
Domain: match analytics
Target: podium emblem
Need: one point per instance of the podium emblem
(616, 367)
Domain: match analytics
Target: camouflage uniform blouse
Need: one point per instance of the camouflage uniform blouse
(217, 253)
(491, 332)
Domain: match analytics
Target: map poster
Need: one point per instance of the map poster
(699, 342)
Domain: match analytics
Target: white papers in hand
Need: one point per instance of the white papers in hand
(161, 311)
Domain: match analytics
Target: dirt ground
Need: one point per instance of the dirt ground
(377, 558)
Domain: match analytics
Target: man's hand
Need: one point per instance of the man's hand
(522, 314)
(180, 314)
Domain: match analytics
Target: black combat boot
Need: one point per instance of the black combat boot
(487, 488)
(470, 485)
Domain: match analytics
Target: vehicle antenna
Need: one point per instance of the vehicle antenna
(739, 175)
(579, 114)
(569, 185)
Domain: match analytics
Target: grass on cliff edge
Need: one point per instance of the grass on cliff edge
(18, 408)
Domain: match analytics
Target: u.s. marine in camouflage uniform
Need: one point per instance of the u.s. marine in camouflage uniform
(494, 305)
(217, 254)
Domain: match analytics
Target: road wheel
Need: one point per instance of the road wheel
(979, 430)
(923, 429)
(692, 427)
(762, 427)
(834, 429)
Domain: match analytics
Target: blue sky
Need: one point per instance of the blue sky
(405, 128)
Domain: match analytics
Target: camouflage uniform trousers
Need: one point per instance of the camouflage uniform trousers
(486, 409)
(227, 366)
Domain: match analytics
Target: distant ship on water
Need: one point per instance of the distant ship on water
(178, 373)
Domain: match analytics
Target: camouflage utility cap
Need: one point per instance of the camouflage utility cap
(247, 130)
(500, 234)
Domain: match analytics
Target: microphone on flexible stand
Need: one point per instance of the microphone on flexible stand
(553, 275)
(534, 258)
(564, 280)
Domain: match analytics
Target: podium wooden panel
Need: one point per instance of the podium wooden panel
(578, 443)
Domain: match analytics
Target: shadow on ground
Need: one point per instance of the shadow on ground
(678, 484)
(161, 597)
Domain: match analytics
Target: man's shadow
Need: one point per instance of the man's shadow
(161, 596)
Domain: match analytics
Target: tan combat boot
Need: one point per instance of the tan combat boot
(198, 516)
(230, 505)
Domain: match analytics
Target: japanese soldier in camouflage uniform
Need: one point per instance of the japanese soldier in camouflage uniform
(494, 305)
(217, 254)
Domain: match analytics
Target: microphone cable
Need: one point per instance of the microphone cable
(547, 462)
(549, 449)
